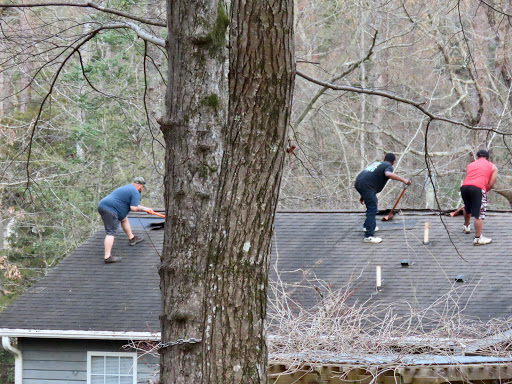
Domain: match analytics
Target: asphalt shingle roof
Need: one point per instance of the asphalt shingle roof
(82, 293)
(329, 246)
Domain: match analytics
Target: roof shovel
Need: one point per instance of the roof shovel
(457, 212)
(156, 214)
(390, 215)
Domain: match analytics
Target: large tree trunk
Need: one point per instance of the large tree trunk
(261, 76)
(218, 231)
(195, 113)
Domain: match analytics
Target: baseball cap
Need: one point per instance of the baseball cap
(139, 180)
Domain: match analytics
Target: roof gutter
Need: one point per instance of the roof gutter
(88, 335)
(18, 359)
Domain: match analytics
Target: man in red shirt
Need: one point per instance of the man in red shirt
(480, 178)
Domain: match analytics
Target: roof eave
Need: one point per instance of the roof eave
(84, 335)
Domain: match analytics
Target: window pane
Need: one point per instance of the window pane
(126, 380)
(97, 364)
(111, 379)
(112, 366)
(126, 365)
(97, 380)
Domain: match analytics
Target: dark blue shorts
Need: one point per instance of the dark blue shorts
(110, 221)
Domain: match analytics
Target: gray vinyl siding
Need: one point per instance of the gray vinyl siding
(57, 361)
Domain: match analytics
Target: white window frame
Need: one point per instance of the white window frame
(90, 354)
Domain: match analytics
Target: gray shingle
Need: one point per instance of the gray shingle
(82, 293)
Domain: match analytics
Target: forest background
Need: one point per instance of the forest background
(98, 129)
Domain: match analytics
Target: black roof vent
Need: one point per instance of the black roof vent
(460, 279)
(405, 263)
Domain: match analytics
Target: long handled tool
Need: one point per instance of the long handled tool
(388, 217)
(156, 214)
(457, 212)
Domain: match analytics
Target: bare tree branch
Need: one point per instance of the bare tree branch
(87, 78)
(350, 69)
(500, 11)
(464, 35)
(145, 35)
(48, 94)
(391, 96)
(430, 167)
(75, 49)
(89, 4)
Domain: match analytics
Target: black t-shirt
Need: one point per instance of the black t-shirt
(374, 176)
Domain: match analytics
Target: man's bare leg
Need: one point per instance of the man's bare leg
(478, 227)
(109, 242)
(467, 218)
(125, 224)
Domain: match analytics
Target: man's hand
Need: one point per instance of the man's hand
(394, 176)
(361, 200)
(150, 211)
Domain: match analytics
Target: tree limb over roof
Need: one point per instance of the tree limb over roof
(416, 104)
(89, 4)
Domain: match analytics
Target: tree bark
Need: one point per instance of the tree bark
(261, 77)
(219, 225)
(195, 113)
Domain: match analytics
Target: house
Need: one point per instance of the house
(72, 325)
(76, 324)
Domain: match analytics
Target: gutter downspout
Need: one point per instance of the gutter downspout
(18, 359)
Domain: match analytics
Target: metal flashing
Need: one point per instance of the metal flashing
(86, 335)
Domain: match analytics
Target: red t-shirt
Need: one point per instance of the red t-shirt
(478, 173)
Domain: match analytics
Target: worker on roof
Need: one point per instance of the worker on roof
(480, 178)
(113, 210)
(369, 182)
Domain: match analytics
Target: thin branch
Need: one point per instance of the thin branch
(145, 35)
(89, 4)
(350, 69)
(464, 35)
(47, 63)
(158, 70)
(305, 155)
(428, 163)
(148, 119)
(391, 96)
(48, 94)
(87, 79)
(501, 11)
(57, 73)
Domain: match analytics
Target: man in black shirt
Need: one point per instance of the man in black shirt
(370, 182)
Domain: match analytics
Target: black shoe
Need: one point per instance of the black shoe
(113, 259)
(135, 239)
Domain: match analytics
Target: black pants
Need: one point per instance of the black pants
(370, 200)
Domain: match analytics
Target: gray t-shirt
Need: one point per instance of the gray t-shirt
(120, 200)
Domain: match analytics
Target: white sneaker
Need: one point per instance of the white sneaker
(466, 229)
(372, 239)
(481, 240)
(376, 229)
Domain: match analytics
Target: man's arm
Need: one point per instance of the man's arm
(394, 176)
(139, 208)
(492, 180)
